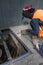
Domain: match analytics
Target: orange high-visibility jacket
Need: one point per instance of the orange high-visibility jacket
(38, 14)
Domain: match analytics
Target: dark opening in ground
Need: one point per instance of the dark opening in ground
(11, 44)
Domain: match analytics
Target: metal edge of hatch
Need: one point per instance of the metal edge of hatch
(22, 56)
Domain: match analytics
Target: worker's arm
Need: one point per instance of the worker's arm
(41, 23)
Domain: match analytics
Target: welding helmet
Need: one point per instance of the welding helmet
(28, 11)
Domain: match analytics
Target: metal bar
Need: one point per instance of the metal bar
(7, 50)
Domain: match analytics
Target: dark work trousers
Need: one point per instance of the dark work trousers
(35, 23)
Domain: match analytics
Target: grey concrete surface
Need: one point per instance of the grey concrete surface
(11, 11)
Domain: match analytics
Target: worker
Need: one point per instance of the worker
(36, 17)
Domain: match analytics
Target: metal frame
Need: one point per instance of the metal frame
(20, 57)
